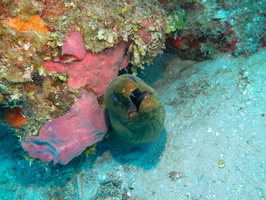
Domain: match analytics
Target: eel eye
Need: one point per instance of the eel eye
(132, 78)
(116, 97)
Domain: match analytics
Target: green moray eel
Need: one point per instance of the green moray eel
(135, 113)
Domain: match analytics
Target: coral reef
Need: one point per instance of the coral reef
(51, 50)
(68, 136)
(213, 26)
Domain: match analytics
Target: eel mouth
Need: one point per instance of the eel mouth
(135, 98)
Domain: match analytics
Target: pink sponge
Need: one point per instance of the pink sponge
(95, 71)
(67, 136)
(73, 45)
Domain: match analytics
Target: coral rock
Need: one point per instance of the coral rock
(95, 71)
(68, 136)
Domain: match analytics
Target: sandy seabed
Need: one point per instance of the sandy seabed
(213, 145)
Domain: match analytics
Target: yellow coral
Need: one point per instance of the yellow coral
(90, 150)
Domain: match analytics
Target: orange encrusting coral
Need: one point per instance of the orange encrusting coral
(35, 23)
(14, 117)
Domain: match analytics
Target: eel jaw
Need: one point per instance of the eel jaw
(136, 97)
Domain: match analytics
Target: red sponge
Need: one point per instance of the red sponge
(68, 136)
(95, 71)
